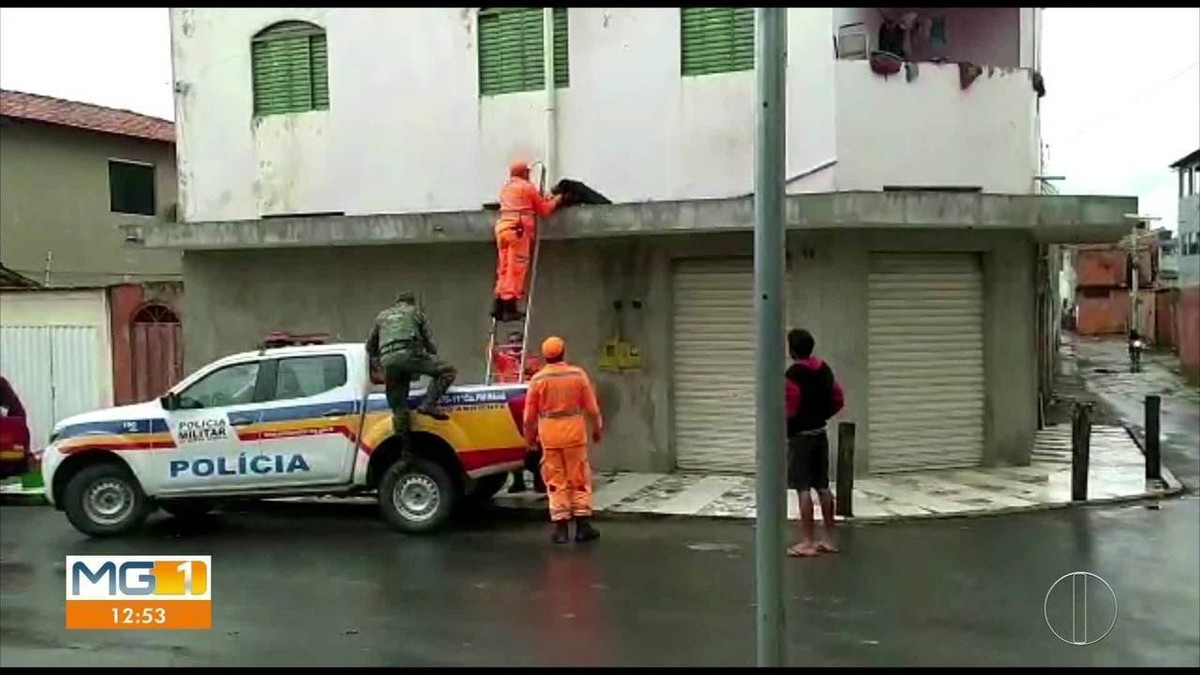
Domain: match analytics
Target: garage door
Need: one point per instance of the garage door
(925, 350)
(714, 365)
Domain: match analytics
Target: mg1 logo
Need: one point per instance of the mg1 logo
(139, 592)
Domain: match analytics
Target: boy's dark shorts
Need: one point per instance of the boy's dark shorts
(808, 462)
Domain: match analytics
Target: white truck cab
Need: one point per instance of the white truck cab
(276, 422)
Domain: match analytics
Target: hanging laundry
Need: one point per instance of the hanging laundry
(885, 63)
(910, 71)
(891, 38)
(937, 38)
(1039, 85)
(967, 72)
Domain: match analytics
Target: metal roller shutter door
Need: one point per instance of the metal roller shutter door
(925, 351)
(713, 364)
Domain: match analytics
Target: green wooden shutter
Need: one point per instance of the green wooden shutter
(319, 53)
(510, 50)
(290, 65)
(716, 39)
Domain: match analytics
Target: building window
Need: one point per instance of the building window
(510, 50)
(716, 39)
(131, 187)
(290, 61)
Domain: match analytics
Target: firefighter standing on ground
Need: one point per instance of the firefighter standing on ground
(402, 343)
(521, 204)
(558, 407)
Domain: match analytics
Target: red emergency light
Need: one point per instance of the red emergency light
(279, 338)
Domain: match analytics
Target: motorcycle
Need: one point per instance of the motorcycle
(1135, 355)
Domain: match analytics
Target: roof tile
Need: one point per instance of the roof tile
(50, 110)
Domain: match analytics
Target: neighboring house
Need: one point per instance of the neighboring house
(85, 319)
(330, 158)
(1188, 308)
(70, 174)
(1103, 287)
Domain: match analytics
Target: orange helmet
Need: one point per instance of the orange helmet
(519, 168)
(553, 347)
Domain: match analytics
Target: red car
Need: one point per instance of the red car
(14, 433)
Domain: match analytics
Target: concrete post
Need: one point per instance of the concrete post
(845, 470)
(1081, 450)
(770, 29)
(1153, 437)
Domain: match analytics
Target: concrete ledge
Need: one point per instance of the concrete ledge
(1049, 218)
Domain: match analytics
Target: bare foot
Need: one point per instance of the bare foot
(804, 550)
(827, 546)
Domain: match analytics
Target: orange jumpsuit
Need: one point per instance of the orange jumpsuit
(516, 230)
(560, 398)
(504, 364)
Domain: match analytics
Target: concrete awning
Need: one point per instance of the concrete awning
(1048, 218)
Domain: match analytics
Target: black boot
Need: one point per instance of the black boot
(511, 313)
(561, 532)
(584, 531)
(518, 485)
(539, 486)
(497, 309)
(434, 412)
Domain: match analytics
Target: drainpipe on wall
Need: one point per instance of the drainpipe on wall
(548, 162)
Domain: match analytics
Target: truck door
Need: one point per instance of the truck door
(308, 424)
(209, 427)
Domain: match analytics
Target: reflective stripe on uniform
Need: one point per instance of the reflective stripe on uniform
(555, 414)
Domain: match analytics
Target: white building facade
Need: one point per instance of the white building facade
(328, 156)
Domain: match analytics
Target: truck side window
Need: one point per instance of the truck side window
(231, 385)
(303, 376)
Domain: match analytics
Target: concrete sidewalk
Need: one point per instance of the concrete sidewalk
(1117, 473)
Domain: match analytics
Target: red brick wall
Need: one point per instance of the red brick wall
(1188, 322)
(1165, 301)
(1100, 267)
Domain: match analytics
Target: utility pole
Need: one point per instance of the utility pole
(770, 29)
(1137, 222)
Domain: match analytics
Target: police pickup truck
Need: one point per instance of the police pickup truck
(282, 422)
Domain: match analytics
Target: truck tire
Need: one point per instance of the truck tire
(105, 500)
(187, 509)
(417, 496)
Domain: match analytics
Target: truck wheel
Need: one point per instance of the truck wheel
(104, 500)
(186, 509)
(416, 496)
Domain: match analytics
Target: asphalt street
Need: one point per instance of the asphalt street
(1104, 366)
(329, 585)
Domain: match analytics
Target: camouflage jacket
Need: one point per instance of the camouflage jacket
(401, 326)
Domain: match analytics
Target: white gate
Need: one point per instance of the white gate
(55, 370)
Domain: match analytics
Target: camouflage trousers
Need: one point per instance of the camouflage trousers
(400, 369)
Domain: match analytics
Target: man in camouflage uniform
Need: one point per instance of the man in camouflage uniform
(402, 344)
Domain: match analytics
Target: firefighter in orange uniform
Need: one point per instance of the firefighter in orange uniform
(505, 371)
(558, 407)
(516, 230)
(505, 358)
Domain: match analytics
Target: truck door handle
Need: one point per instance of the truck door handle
(241, 421)
(332, 413)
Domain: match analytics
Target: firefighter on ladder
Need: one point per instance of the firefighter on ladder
(521, 204)
(506, 369)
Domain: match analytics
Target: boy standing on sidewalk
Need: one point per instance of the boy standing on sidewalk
(813, 397)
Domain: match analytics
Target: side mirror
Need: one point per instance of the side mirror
(170, 401)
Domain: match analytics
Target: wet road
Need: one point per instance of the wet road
(1104, 364)
(322, 585)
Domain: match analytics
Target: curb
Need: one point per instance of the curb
(539, 513)
(24, 498)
